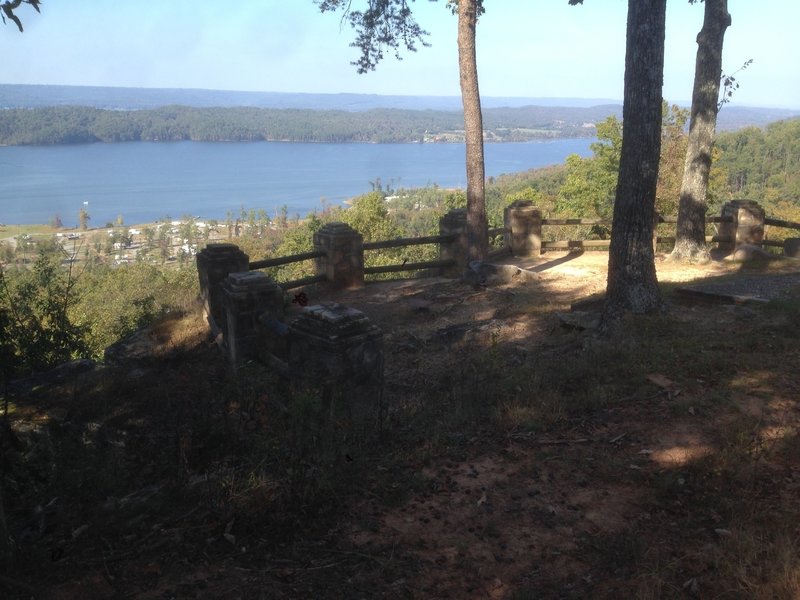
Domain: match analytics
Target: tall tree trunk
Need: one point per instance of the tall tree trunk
(477, 235)
(632, 284)
(690, 241)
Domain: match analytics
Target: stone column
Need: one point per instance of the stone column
(791, 247)
(454, 223)
(525, 224)
(254, 309)
(214, 263)
(336, 348)
(747, 226)
(343, 263)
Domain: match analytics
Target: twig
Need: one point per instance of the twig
(614, 440)
(328, 566)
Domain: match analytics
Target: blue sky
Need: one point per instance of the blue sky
(525, 48)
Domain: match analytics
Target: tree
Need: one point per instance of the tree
(632, 283)
(83, 219)
(35, 306)
(477, 235)
(390, 24)
(690, 241)
(11, 5)
(591, 183)
(673, 153)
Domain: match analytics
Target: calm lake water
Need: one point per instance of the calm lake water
(145, 181)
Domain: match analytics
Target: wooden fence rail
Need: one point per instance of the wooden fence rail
(417, 266)
(781, 223)
(338, 252)
(302, 282)
(403, 242)
(285, 260)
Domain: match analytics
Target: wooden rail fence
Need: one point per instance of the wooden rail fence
(338, 252)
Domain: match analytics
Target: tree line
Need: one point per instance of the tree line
(81, 124)
(763, 164)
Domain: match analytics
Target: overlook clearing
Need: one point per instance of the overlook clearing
(519, 454)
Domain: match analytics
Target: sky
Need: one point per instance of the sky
(525, 48)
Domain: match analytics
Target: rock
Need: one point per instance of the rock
(748, 253)
(472, 332)
(481, 274)
(55, 376)
(579, 320)
(139, 345)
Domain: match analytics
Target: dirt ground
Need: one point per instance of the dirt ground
(517, 517)
(598, 474)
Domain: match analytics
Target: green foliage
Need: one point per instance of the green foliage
(763, 164)
(496, 210)
(297, 240)
(382, 25)
(115, 302)
(591, 183)
(36, 330)
(674, 141)
(590, 186)
(83, 219)
(369, 215)
(415, 212)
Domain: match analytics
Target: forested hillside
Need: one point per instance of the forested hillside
(80, 124)
(763, 163)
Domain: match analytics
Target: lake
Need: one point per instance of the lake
(146, 181)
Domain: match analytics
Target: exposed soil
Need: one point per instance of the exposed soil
(623, 476)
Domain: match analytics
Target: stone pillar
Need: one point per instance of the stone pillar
(214, 263)
(791, 247)
(524, 223)
(254, 309)
(335, 347)
(454, 223)
(747, 226)
(343, 263)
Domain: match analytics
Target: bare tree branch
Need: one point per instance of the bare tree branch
(10, 6)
